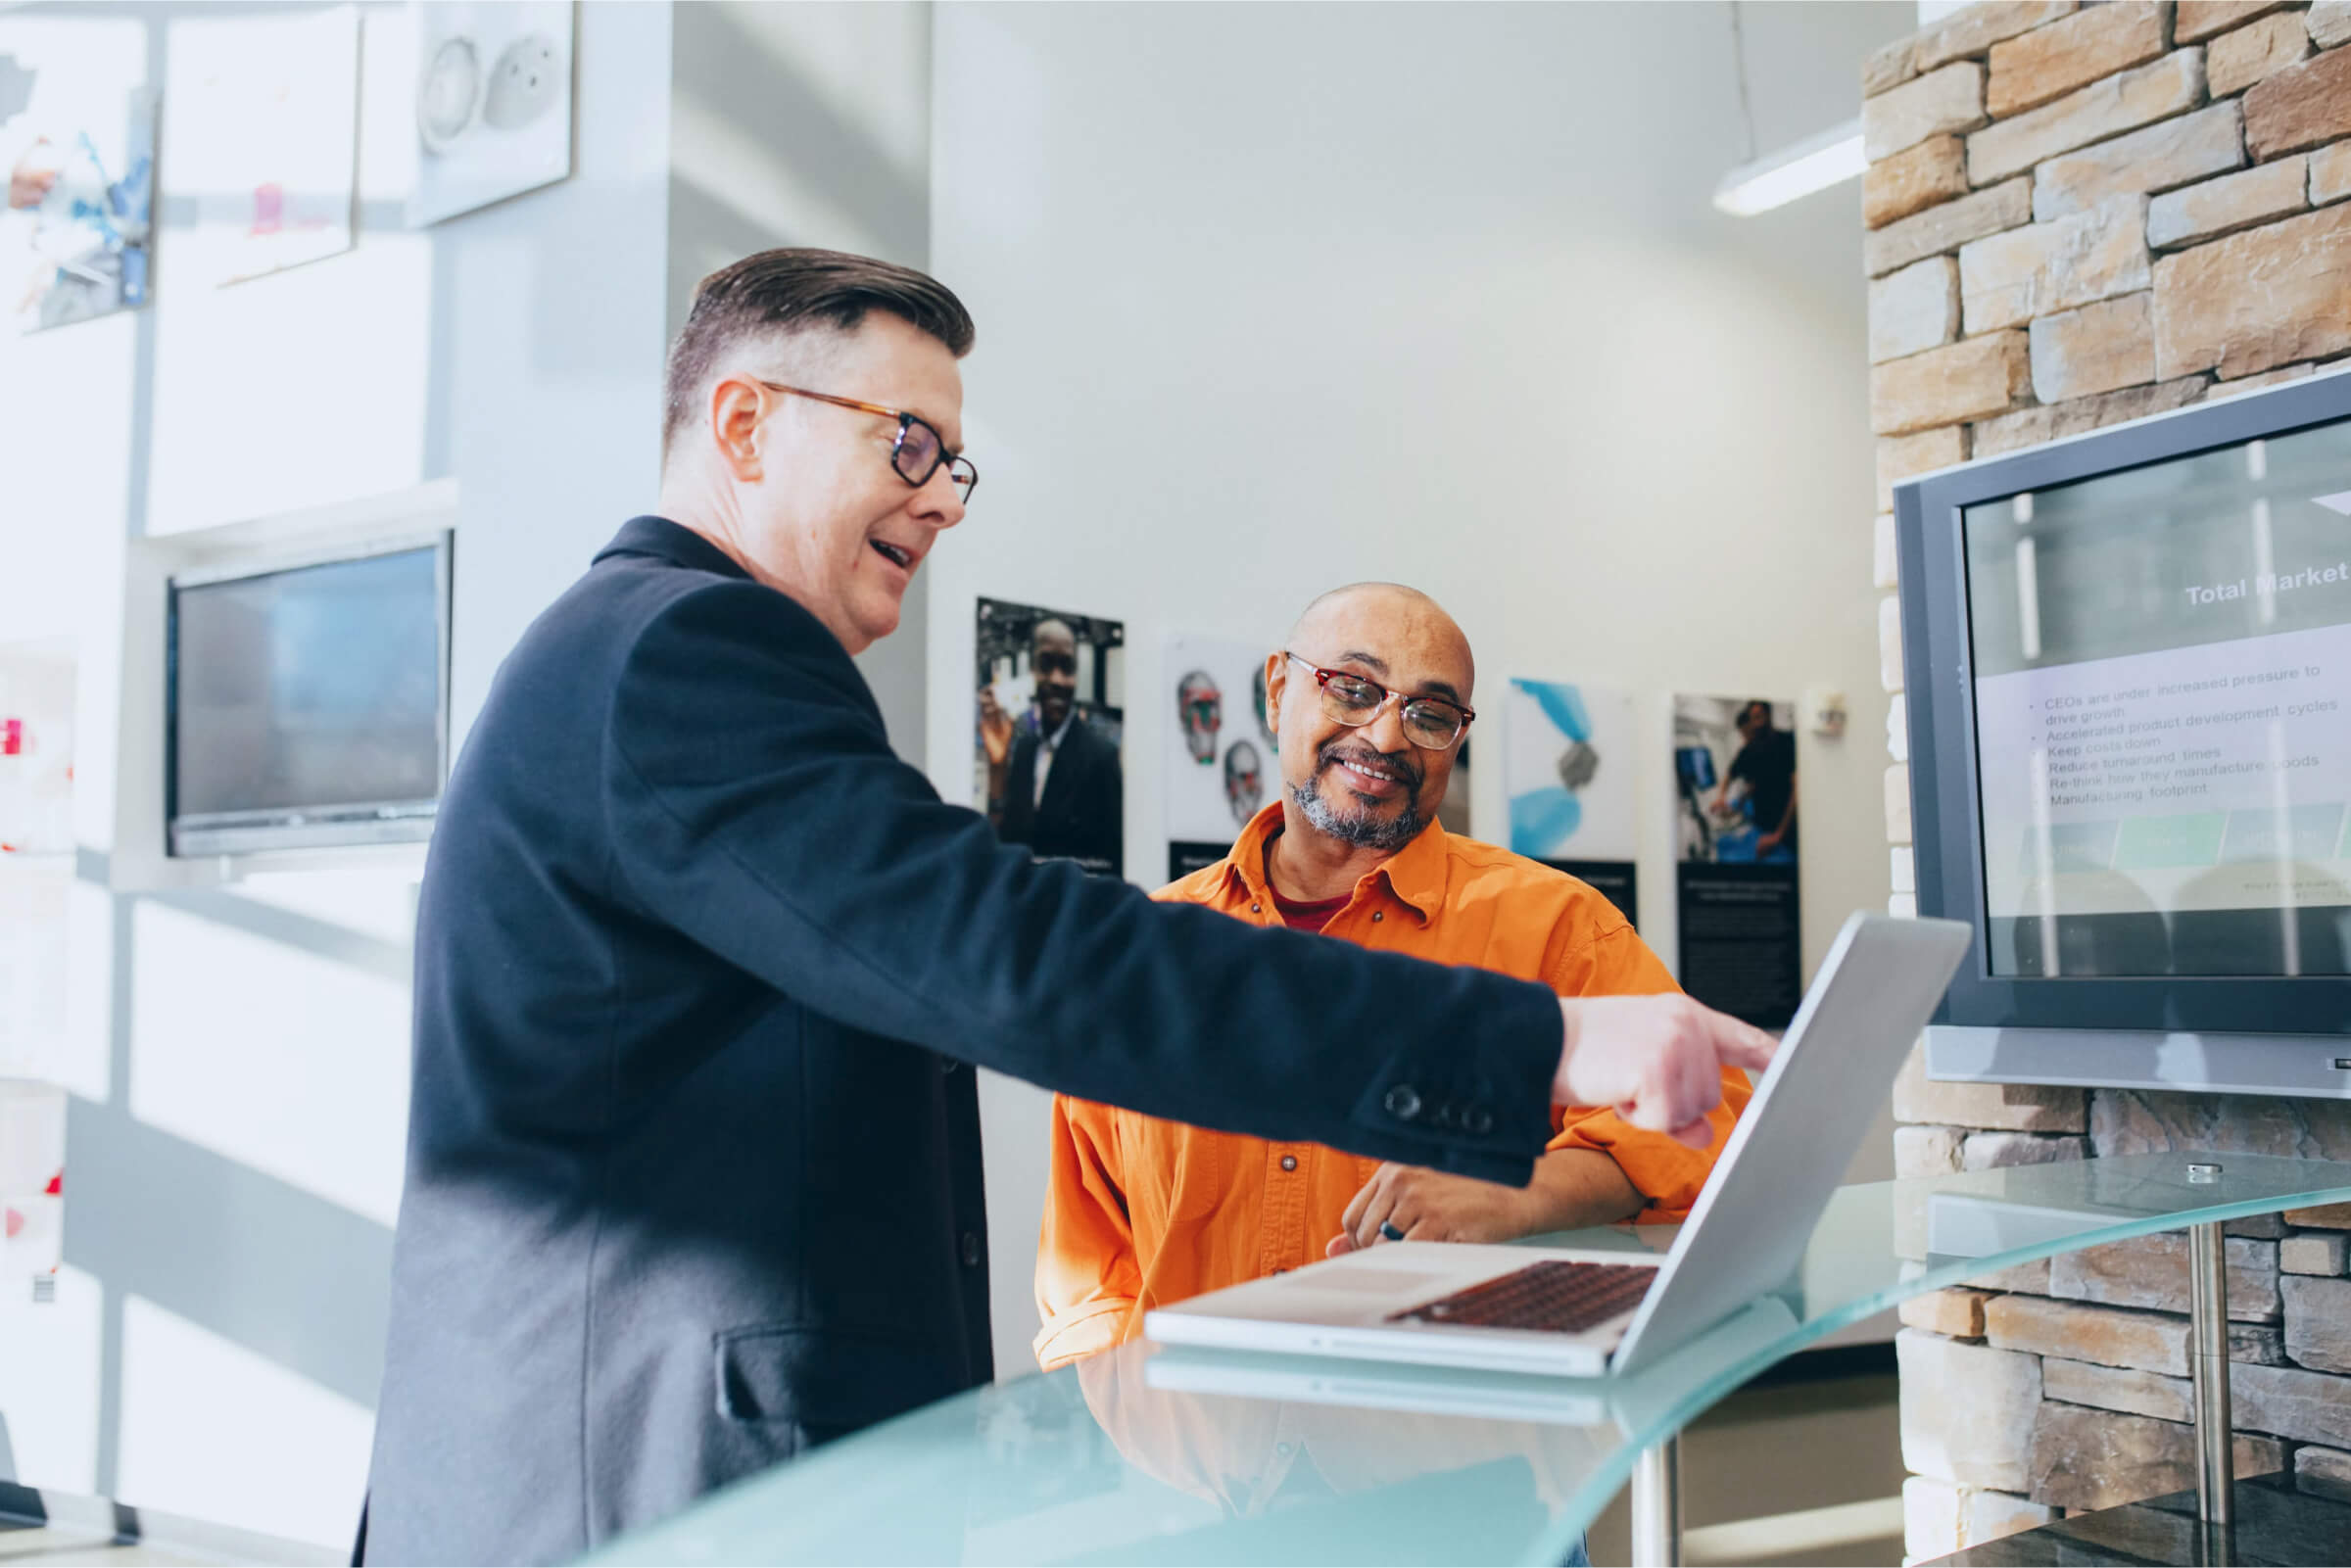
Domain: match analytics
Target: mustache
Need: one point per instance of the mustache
(1401, 763)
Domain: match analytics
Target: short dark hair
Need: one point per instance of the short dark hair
(796, 288)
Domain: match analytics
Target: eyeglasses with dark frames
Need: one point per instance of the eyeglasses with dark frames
(920, 449)
(1429, 723)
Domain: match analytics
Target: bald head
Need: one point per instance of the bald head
(1389, 612)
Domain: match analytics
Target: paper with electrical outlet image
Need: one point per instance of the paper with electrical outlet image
(1567, 770)
(492, 102)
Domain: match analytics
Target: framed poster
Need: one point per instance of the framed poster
(77, 143)
(1737, 890)
(1048, 731)
(1568, 750)
(1220, 764)
(492, 102)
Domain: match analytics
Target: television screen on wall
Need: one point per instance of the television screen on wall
(2127, 660)
(308, 702)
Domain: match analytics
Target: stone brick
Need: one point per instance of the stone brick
(1903, 906)
(2106, 1335)
(1987, 1516)
(1913, 179)
(1914, 310)
(1946, 100)
(2097, 1459)
(1888, 67)
(2235, 61)
(2331, 173)
(2002, 1107)
(1954, 1313)
(1947, 226)
(2322, 1472)
(1898, 737)
(2047, 63)
(2115, 1388)
(2151, 1271)
(2257, 1344)
(2306, 1406)
(2318, 1323)
(2299, 1255)
(2300, 106)
(2132, 1121)
(2194, 20)
(2104, 109)
(2226, 205)
(1939, 1518)
(1885, 569)
(2030, 1279)
(2159, 157)
(1898, 802)
(2096, 349)
(2010, 279)
(2326, 1216)
(2030, 427)
(1973, 30)
(1902, 457)
(2253, 301)
(1901, 867)
(1968, 1412)
(2255, 1227)
(1889, 644)
(1999, 1150)
(2330, 22)
(1966, 380)
(1926, 1151)
(2266, 378)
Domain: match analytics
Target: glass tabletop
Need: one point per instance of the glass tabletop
(1154, 1453)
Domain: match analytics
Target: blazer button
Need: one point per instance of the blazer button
(948, 1063)
(971, 1250)
(1477, 1119)
(1289, 1161)
(1403, 1102)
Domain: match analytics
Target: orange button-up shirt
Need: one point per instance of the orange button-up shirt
(1140, 1211)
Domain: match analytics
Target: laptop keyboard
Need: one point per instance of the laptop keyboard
(1551, 1297)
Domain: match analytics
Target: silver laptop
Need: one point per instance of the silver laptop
(1576, 1312)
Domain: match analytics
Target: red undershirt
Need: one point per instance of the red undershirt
(1307, 917)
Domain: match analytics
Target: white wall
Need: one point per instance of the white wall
(1275, 298)
(239, 1058)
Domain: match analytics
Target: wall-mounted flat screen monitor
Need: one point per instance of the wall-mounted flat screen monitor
(2127, 659)
(308, 701)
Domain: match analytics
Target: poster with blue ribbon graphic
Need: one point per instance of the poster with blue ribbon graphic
(1569, 751)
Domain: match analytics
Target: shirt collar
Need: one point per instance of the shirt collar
(1414, 875)
(1052, 742)
(673, 542)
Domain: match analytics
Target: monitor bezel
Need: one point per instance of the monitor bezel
(342, 824)
(1946, 825)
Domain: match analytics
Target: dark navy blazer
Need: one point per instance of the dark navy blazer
(693, 1154)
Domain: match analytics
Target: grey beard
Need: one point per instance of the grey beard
(1358, 828)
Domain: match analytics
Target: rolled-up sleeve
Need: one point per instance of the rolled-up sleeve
(1087, 1277)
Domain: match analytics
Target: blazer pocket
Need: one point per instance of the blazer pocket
(825, 1380)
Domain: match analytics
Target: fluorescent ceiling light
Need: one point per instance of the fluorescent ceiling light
(1799, 170)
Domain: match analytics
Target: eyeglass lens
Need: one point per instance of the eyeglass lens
(920, 453)
(1427, 723)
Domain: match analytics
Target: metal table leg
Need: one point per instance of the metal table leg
(1657, 1505)
(2208, 1365)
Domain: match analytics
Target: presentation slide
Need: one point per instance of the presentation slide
(2163, 717)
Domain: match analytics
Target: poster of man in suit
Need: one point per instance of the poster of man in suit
(1046, 751)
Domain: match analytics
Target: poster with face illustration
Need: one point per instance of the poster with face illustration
(1049, 718)
(1220, 764)
(492, 107)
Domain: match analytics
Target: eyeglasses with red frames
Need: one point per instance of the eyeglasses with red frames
(920, 449)
(1429, 723)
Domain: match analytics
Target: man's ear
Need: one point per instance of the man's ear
(1277, 680)
(736, 404)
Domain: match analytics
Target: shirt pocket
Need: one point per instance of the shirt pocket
(1174, 1174)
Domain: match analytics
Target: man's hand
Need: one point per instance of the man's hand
(1657, 1060)
(995, 728)
(1432, 1206)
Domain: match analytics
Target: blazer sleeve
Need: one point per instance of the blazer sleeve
(1087, 1277)
(753, 804)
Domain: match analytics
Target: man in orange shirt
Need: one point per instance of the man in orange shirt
(1371, 696)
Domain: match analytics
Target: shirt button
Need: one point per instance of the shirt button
(1403, 1102)
(971, 1250)
(1477, 1119)
(1379, 914)
(1289, 1161)
(1256, 908)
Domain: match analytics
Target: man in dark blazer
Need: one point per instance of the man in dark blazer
(693, 1174)
(1076, 814)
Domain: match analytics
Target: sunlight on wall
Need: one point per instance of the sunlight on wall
(290, 1062)
(212, 1431)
